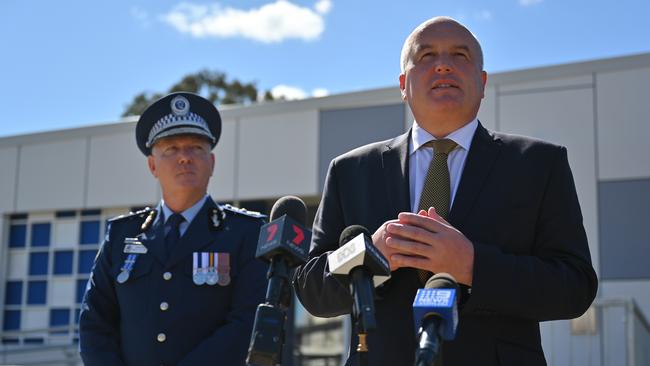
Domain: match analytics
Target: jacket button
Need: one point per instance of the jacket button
(161, 337)
(167, 276)
(164, 306)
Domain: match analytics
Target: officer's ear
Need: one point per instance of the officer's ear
(213, 161)
(151, 162)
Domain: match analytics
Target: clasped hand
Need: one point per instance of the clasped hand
(426, 241)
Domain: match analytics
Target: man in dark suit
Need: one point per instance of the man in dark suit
(502, 217)
(178, 284)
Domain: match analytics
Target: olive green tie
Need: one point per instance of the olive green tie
(436, 191)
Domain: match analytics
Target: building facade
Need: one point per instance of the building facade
(58, 188)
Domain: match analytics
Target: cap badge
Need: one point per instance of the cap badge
(180, 106)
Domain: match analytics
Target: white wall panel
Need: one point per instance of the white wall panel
(623, 125)
(62, 292)
(51, 175)
(35, 319)
(8, 162)
(555, 83)
(222, 184)
(277, 155)
(65, 233)
(639, 290)
(563, 117)
(487, 114)
(17, 265)
(118, 173)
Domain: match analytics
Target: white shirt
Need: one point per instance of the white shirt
(188, 214)
(420, 159)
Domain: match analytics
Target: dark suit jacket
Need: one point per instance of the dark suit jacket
(203, 325)
(516, 202)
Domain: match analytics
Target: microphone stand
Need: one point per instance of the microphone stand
(266, 347)
(364, 319)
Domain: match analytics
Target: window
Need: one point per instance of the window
(33, 341)
(63, 262)
(37, 292)
(58, 318)
(86, 260)
(64, 214)
(38, 263)
(41, 234)
(11, 320)
(89, 233)
(81, 289)
(14, 293)
(17, 235)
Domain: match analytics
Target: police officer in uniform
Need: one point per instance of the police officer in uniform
(178, 284)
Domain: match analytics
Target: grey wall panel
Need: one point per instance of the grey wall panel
(565, 117)
(342, 130)
(623, 125)
(52, 175)
(118, 174)
(276, 155)
(8, 162)
(222, 184)
(624, 240)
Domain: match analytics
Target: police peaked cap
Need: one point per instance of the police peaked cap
(178, 114)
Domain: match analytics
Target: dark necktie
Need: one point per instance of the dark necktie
(174, 233)
(436, 191)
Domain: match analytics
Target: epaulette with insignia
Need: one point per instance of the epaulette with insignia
(243, 211)
(131, 215)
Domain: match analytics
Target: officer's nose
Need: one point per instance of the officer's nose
(184, 155)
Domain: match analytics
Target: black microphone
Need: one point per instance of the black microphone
(436, 315)
(358, 262)
(284, 243)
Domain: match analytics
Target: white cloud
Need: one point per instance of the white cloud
(323, 6)
(483, 15)
(529, 2)
(293, 93)
(319, 92)
(270, 23)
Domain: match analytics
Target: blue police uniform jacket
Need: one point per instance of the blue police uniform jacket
(159, 316)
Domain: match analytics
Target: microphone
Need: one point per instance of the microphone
(436, 316)
(357, 262)
(284, 243)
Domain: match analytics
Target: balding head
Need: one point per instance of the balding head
(407, 50)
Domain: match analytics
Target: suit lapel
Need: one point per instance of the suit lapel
(198, 235)
(480, 160)
(395, 166)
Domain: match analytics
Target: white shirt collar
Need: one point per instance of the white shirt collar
(462, 136)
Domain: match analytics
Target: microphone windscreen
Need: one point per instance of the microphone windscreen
(442, 280)
(291, 206)
(350, 232)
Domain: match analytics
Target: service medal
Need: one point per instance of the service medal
(123, 276)
(211, 275)
(126, 268)
(197, 273)
(223, 268)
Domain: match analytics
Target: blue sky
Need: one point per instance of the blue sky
(75, 63)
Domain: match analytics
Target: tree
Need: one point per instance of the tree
(213, 85)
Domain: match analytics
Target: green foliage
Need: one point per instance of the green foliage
(212, 85)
